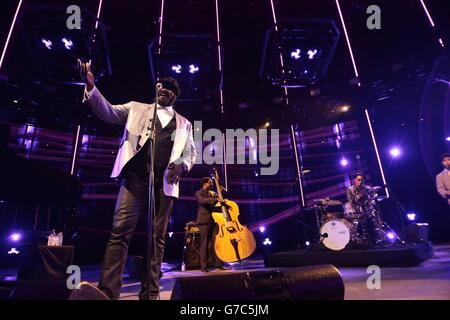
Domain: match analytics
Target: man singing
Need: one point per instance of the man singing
(443, 178)
(174, 157)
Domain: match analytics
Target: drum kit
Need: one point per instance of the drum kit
(356, 224)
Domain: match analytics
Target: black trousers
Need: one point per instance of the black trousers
(207, 232)
(132, 202)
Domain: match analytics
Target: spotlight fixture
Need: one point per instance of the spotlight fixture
(177, 68)
(311, 54)
(68, 44)
(13, 251)
(296, 54)
(395, 152)
(15, 237)
(193, 69)
(47, 43)
(345, 108)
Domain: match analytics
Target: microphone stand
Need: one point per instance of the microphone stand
(151, 195)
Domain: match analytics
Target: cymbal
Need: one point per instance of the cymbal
(327, 202)
(304, 172)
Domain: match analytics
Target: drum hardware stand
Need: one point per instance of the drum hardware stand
(316, 233)
(385, 228)
(382, 228)
(400, 208)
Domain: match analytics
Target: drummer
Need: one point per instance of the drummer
(358, 191)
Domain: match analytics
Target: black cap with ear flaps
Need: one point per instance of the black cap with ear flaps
(171, 84)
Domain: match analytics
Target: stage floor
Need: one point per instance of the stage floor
(427, 281)
(430, 280)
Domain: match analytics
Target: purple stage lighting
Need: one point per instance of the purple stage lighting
(15, 236)
(390, 235)
(47, 43)
(296, 54)
(68, 44)
(344, 162)
(176, 68)
(347, 38)
(374, 141)
(98, 14)
(9, 33)
(193, 69)
(448, 139)
(395, 152)
(428, 13)
(411, 216)
(262, 229)
(267, 242)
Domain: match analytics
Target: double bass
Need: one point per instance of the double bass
(233, 241)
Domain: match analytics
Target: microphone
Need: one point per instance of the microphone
(158, 87)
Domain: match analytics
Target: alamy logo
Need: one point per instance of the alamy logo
(374, 21)
(74, 20)
(241, 147)
(75, 276)
(374, 280)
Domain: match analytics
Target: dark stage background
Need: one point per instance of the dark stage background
(404, 74)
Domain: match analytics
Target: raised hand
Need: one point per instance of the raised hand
(86, 74)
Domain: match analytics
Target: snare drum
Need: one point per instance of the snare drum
(350, 212)
(336, 234)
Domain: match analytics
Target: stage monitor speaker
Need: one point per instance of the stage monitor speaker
(322, 282)
(43, 273)
(417, 232)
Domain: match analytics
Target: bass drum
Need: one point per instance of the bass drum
(336, 234)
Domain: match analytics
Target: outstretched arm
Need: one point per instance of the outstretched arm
(116, 114)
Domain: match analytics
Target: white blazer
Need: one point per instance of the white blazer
(136, 118)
